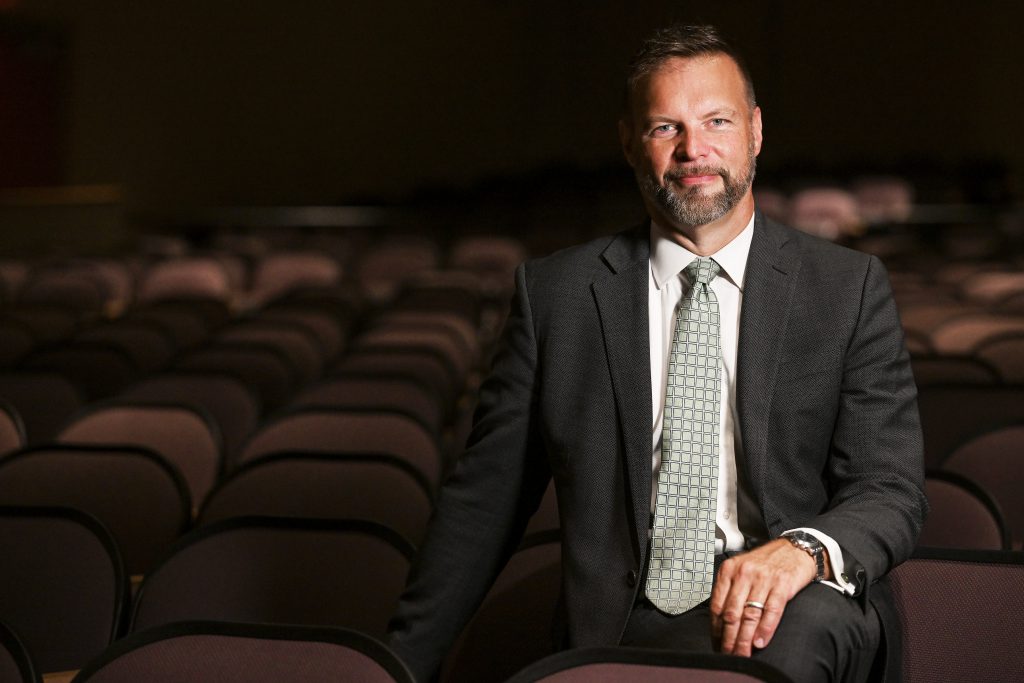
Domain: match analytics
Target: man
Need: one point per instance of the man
(811, 423)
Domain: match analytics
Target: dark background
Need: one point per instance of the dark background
(190, 103)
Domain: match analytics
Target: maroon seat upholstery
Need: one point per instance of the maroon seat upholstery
(327, 430)
(960, 613)
(961, 515)
(377, 488)
(995, 460)
(141, 499)
(228, 400)
(44, 400)
(62, 585)
(15, 663)
(245, 653)
(954, 413)
(514, 626)
(12, 429)
(626, 665)
(346, 573)
(184, 436)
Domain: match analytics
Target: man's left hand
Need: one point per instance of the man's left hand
(771, 575)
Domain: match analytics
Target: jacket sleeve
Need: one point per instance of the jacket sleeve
(484, 504)
(875, 470)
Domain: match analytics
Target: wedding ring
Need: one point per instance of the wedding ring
(754, 603)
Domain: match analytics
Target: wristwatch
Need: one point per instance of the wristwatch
(812, 546)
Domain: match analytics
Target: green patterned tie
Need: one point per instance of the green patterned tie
(682, 561)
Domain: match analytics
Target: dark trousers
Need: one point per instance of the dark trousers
(824, 635)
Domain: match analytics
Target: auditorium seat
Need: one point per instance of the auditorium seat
(964, 334)
(100, 369)
(226, 399)
(1006, 355)
(185, 436)
(629, 664)
(515, 624)
(297, 344)
(44, 400)
(12, 430)
(995, 460)
(277, 274)
(263, 368)
(140, 498)
(149, 346)
(959, 613)
(367, 391)
(376, 488)
(62, 585)
(245, 653)
(345, 573)
(961, 514)
(322, 430)
(15, 662)
(951, 414)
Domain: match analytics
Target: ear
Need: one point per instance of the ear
(626, 140)
(755, 124)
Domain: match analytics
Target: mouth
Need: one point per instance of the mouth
(689, 180)
(693, 178)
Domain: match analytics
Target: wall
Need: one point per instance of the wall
(201, 102)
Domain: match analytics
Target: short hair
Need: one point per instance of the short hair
(686, 41)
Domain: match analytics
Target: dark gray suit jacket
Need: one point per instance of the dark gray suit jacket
(827, 413)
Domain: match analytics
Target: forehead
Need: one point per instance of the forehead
(711, 80)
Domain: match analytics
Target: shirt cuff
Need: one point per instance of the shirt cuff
(835, 560)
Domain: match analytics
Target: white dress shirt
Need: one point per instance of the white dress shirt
(665, 288)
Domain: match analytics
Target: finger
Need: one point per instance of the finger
(719, 593)
(749, 621)
(774, 606)
(732, 612)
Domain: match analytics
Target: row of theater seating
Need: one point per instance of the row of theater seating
(964, 325)
(395, 396)
(206, 612)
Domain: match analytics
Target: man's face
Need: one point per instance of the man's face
(692, 139)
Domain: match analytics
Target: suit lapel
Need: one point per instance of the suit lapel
(772, 268)
(621, 296)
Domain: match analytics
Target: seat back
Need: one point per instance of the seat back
(141, 499)
(44, 400)
(233, 406)
(62, 584)
(514, 626)
(399, 394)
(12, 430)
(319, 430)
(249, 653)
(952, 414)
(15, 663)
(628, 664)
(1006, 355)
(961, 515)
(960, 613)
(376, 488)
(995, 460)
(296, 571)
(184, 436)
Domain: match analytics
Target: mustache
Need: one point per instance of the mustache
(679, 173)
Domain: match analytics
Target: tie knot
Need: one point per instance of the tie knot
(702, 270)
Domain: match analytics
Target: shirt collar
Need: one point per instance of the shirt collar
(668, 259)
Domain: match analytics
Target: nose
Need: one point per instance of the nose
(692, 145)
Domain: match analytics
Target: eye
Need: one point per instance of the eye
(718, 122)
(663, 131)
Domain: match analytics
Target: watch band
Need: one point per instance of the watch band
(812, 546)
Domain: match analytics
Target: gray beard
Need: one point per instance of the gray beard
(693, 206)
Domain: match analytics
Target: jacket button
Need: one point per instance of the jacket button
(631, 578)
